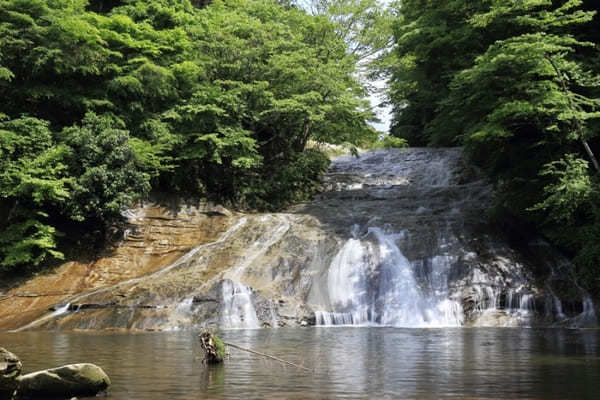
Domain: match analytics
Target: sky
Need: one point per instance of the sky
(384, 114)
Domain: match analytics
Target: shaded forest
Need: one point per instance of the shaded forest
(517, 84)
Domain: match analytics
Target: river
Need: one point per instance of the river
(348, 363)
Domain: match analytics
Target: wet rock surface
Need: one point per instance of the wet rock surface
(156, 235)
(399, 237)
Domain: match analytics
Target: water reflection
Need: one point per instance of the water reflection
(348, 363)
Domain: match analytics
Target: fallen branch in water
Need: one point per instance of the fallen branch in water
(267, 356)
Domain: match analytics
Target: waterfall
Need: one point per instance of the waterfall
(237, 310)
(427, 256)
(370, 282)
(398, 238)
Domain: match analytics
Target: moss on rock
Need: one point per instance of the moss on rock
(63, 382)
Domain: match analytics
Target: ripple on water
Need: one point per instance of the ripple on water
(349, 363)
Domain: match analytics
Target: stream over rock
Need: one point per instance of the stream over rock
(398, 238)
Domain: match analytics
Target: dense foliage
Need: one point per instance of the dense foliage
(517, 83)
(106, 100)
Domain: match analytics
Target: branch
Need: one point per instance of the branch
(267, 356)
(578, 126)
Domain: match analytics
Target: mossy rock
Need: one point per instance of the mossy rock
(10, 369)
(63, 382)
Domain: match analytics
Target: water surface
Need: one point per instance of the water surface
(348, 363)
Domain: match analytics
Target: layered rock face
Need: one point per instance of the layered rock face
(157, 234)
(398, 238)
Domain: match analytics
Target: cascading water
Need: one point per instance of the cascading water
(370, 281)
(398, 238)
(427, 256)
(237, 310)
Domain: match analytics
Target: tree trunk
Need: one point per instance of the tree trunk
(214, 350)
(301, 143)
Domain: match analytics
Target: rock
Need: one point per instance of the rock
(10, 369)
(63, 382)
(212, 209)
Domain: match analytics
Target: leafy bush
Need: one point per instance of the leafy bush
(389, 142)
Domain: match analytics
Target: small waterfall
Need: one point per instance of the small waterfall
(274, 322)
(560, 315)
(526, 303)
(237, 310)
(182, 315)
(587, 315)
(185, 307)
(61, 310)
(370, 282)
(588, 308)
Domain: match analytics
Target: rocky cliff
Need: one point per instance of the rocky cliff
(398, 237)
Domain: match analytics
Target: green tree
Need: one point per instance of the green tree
(522, 95)
(102, 165)
(214, 99)
(434, 41)
(33, 176)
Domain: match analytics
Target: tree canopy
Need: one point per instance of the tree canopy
(105, 101)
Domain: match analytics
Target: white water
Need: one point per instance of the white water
(237, 311)
(260, 245)
(370, 282)
(445, 277)
(58, 312)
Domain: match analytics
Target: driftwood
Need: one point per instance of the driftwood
(214, 351)
(235, 346)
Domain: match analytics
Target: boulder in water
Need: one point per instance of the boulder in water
(63, 382)
(10, 369)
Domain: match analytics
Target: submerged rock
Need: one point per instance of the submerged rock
(10, 369)
(63, 382)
